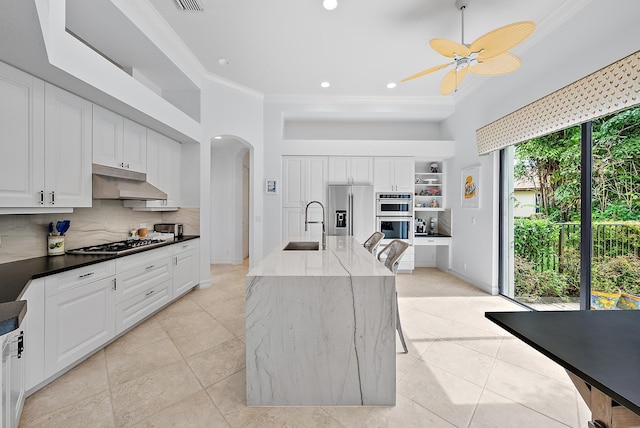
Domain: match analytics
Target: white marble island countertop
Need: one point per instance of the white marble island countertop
(344, 256)
(321, 328)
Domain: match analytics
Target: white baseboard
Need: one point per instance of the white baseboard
(484, 287)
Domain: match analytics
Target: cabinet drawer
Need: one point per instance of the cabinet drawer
(185, 246)
(132, 310)
(77, 277)
(142, 278)
(144, 258)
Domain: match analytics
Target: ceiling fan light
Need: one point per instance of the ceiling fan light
(330, 4)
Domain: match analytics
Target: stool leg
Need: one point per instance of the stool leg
(399, 327)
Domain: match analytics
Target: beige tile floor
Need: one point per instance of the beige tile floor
(184, 367)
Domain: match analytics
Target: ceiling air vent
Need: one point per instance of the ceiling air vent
(190, 5)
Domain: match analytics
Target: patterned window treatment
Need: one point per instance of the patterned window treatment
(606, 91)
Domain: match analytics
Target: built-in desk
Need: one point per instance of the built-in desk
(599, 349)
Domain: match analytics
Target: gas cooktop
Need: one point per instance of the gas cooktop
(120, 247)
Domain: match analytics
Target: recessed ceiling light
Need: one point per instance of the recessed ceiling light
(330, 4)
(325, 84)
(223, 61)
(391, 85)
(217, 137)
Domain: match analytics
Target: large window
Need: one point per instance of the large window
(571, 216)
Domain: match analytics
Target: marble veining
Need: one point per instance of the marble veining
(320, 328)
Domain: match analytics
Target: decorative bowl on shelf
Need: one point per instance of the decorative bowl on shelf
(431, 180)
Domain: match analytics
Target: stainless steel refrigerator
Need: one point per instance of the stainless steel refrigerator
(351, 211)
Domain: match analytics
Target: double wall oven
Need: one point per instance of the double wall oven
(394, 215)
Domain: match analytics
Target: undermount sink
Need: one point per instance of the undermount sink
(302, 246)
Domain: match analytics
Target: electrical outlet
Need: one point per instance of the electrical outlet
(143, 225)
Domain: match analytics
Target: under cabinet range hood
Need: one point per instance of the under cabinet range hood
(115, 183)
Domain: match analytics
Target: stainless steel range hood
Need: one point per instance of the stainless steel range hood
(115, 183)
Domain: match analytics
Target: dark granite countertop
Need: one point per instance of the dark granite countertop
(15, 276)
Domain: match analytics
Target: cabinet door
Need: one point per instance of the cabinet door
(16, 380)
(339, 170)
(174, 165)
(384, 179)
(33, 327)
(362, 170)
(316, 179)
(22, 128)
(154, 159)
(294, 183)
(403, 174)
(77, 322)
(138, 307)
(183, 272)
(134, 151)
(142, 278)
(107, 137)
(67, 168)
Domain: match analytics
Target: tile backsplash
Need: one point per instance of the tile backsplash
(24, 236)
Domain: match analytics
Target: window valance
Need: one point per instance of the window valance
(613, 88)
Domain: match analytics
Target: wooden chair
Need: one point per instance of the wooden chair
(372, 242)
(393, 252)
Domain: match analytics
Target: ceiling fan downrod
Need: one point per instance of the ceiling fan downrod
(462, 5)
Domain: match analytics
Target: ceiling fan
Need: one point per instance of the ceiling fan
(487, 55)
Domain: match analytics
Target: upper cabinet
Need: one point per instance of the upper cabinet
(67, 149)
(350, 170)
(305, 180)
(118, 142)
(393, 174)
(22, 130)
(46, 161)
(164, 170)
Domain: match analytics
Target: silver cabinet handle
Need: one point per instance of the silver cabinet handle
(86, 275)
(175, 260)
(115, 284)
(149, 293)
(53, 197)
(150, 267)
(42, 197)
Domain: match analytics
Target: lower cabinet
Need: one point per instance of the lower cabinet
(185, 267)
(73, 313)
(78, 322)
(13, 378)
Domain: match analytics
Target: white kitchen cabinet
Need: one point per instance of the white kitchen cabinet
(118, 142)
(185, 267)
(22, 127)
(12, 378)
(350, 170)
(143, 285)
(393, 174)
(304, 180)
(68, 120)
(164, 170)
(77, 322)
(33, 326)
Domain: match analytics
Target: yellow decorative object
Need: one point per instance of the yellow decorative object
(628, 302)
(602, 300)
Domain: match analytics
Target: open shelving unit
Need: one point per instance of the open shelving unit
(429, 186)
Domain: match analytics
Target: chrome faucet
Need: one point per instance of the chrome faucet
(306, 222)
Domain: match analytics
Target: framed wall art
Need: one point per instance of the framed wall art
(470, 187)
(271, 187)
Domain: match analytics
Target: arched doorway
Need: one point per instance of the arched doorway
(231, 200)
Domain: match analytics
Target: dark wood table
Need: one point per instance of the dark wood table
(599, 349)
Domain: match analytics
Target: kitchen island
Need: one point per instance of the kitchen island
(321, 328)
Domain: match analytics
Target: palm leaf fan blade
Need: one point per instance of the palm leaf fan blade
(501, 64)
(452, 80)
(501, 39)
(449, 48)
(427, 71)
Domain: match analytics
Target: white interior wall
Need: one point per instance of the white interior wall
(595, 37)
(237, 115)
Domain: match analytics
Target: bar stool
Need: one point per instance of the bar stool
(394, 251)
(373, 241)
